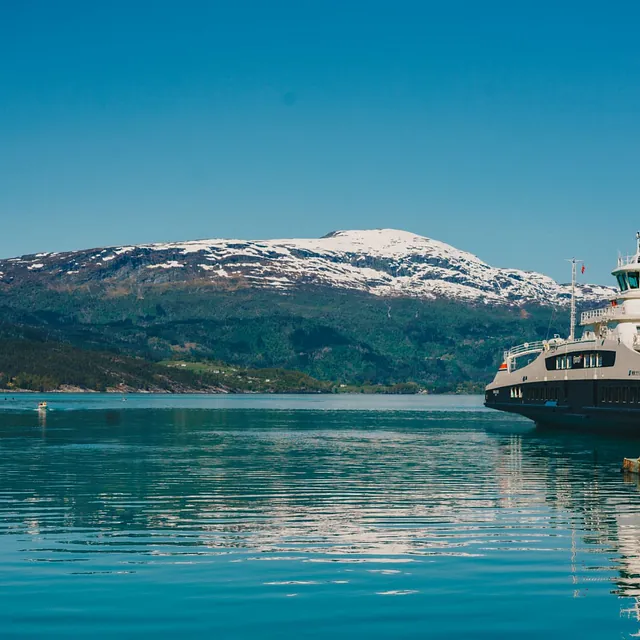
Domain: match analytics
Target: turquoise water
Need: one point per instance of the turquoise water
(310, 517)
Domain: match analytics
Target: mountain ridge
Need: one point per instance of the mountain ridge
(383, 262)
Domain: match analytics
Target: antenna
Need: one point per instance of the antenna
(637, 243)
(572, 328)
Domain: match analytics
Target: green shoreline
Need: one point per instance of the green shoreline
(53, 367)
(355, 391)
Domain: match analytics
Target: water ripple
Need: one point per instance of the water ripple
(160, 518)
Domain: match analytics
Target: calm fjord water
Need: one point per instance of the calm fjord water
(310, 517)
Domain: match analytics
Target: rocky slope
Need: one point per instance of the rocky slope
(383, 262)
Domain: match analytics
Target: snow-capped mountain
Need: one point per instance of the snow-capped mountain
(383, 262)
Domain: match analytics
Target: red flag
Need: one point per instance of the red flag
(582, 270)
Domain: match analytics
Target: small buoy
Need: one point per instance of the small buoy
(42, 406)
(631, 465)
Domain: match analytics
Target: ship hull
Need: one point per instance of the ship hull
(585, 418)
(596, 399)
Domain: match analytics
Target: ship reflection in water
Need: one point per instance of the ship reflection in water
(248, 523)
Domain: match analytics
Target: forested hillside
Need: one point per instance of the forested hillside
(335, 336)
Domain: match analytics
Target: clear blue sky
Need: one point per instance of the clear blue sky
(509, 129)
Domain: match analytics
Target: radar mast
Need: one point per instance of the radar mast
(574, 262)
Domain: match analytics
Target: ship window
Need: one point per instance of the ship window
(632, 395)
(622, 281)
(633, 279)
(588, 360)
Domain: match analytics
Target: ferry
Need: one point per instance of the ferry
(587, 381)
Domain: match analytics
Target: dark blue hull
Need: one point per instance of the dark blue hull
(587, 404)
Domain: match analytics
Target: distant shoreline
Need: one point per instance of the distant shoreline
(200, 392)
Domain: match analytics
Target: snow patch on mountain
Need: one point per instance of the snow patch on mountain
(383, 262)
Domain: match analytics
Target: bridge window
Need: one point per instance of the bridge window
(634, 280)
(622, 281)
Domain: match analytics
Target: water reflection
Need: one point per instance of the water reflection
(397, 498)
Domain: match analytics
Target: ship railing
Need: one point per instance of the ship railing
(529, 348)
(624, 261)
(604, 313)
(525, 349)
